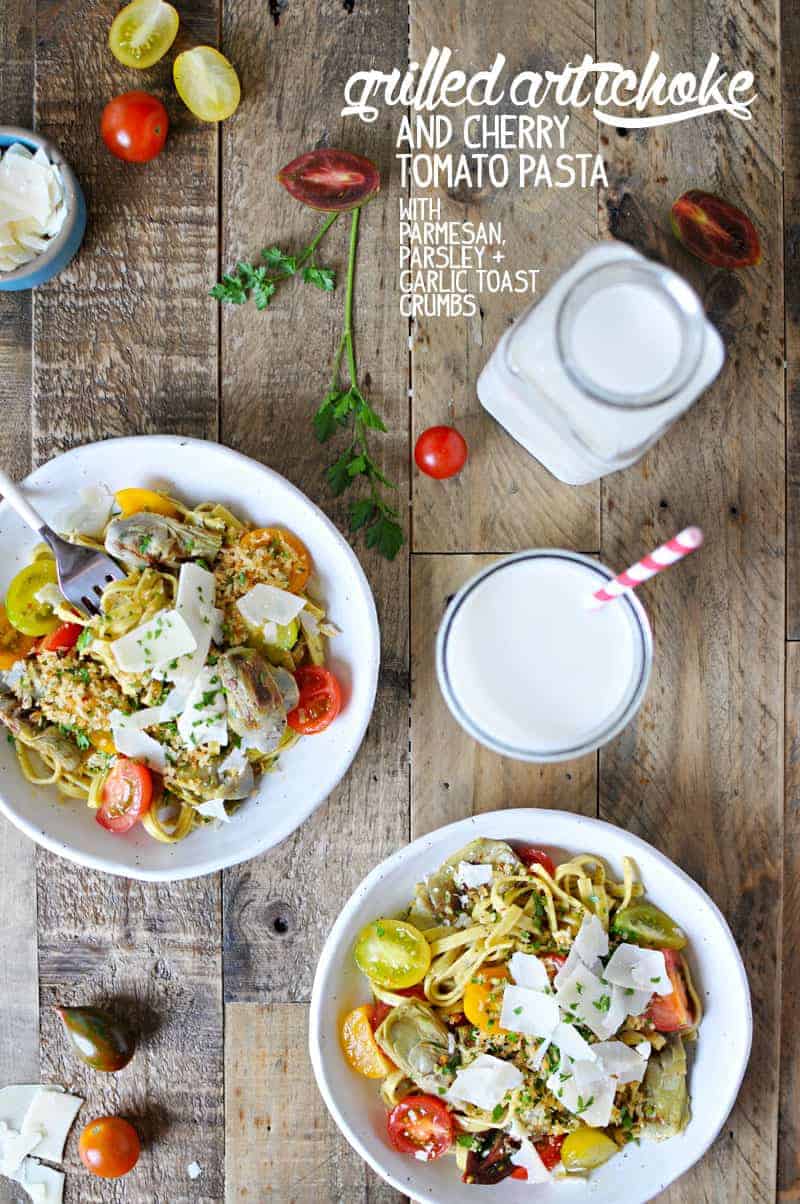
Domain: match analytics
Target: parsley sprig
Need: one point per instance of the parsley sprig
(259, 284)
(344, 407)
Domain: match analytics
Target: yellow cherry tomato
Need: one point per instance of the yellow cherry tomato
(282, 554)
(142, 32)
(207, 83)
(103, 742)
(483, 998)
(136, 501)
(14, 646)
(585, 1148)
(360, 1047)
(392, 954)
(22, 609)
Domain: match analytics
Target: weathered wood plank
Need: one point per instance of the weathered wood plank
(281, 1144)
(504, 500)
(700, 773)
(790, 75)
(126, 342)
(452, 775)
(274, 365)
(789, 1115)
(19, 1036)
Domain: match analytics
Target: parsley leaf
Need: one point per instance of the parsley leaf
(322, 278)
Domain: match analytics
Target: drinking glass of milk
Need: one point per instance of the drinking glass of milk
(588, 378)
(530, 669)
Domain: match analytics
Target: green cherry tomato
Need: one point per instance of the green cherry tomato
(98, 1038)
(392, 954)
(644, 924)
(23, 611)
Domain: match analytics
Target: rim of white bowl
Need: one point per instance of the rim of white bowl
(282, 831)
(330, 951)
(73, 192)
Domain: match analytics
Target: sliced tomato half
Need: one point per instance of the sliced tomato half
(331, 180)
(320, 700)
(127, 796)
(62, 639)
(421, 1124)
(672, 1013)
(530, 855)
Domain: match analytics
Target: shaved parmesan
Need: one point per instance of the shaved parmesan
(529, 1012)
(591, 943)
(132, 741)
(236, 773)
(154, 644)
(32, 204)
(268, 604)
(639, 969)
(635, 1002)
(485, 1082)
(51, 1113)
(583, 1091)
(571, 1044)
(214, 809)
(528, 1157)
(571, 965)
(14, 1103)
(90, 515)
(15, 1147)
(205, 719)
(43, 1184)
(536, 1059)
(621, 1062)
(195, 605)
(586, 998)
(528, 971)
(470, 876)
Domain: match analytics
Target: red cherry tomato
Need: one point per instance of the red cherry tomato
(381, 1010)
(549, 1150)
(519, 1172)
(62, 639)
(441, 452)
(553, 962)
(134, 127)
(421, 1122)
(672, 1013)
(320, 700)
(532, 856)
(127, 795)
(109, 1147)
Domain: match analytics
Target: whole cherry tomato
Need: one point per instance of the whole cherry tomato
(441, 452)
(134, 126)
(109, 1147)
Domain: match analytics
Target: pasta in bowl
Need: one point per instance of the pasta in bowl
(214, 701)
(514, 1010)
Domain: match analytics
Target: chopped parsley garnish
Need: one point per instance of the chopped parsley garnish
(603, 1003)
(84, 639)
(497, 1111)
(583, 1104)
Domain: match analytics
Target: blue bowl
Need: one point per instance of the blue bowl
(63, 248)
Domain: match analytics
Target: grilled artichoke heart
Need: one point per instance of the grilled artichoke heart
(145, 540)
(666, 1096)
(436, 900)
(49, 741)
(417, 1042)
(256, 710)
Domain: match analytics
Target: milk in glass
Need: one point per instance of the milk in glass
(592, 374)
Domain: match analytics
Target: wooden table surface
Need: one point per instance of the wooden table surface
(218, 971)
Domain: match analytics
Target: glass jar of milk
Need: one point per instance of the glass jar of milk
(588, 378)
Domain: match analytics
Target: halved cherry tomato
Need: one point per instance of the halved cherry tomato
(22, 608)
(441, 452)
(103, 742)
(331, 180)
(532, 856)
(142, 32)
(62, 639)
(207, 83)
(137, 501)
(519, 1172)
(360, 1047)
(134, 126)
(109, 1147)
(320, 700)
(392, 954)
(421, 1123)
(483, 1000)
(645, 924)
(14, 646)
(672, 1013)
(127, 795)
(549, 1150)
(287, 556)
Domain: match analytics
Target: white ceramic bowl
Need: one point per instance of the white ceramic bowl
(718, 1060)
(195, 471)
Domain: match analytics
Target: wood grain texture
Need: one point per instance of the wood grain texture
(790, 77)
(282, 1145)
(700, 773)
(504, 500)
(275, 368)
(789, 1117)
(126, 337)
(19, 1034)
(453, 776)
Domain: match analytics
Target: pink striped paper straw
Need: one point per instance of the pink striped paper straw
(669, 553)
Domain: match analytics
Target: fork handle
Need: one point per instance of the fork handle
(17, 501)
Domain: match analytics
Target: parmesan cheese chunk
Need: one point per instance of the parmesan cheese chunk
(215, 809)
(90, 515)
(51, 1113)
(528, 971)
(621, 1062)
(470, 876)
(571, 965)
(571, 1044)
(269, 604)
(529, 1012)
(132, 741)
(154, 644)
(639, 969)
(527, 1156)
(15, 1147)
(583, 1089)
(43, 1184)
(195, 605)
(591, 943)
(586, 998)
(485, 1082)
(205, 719)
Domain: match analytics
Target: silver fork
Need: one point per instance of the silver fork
(82, 573)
